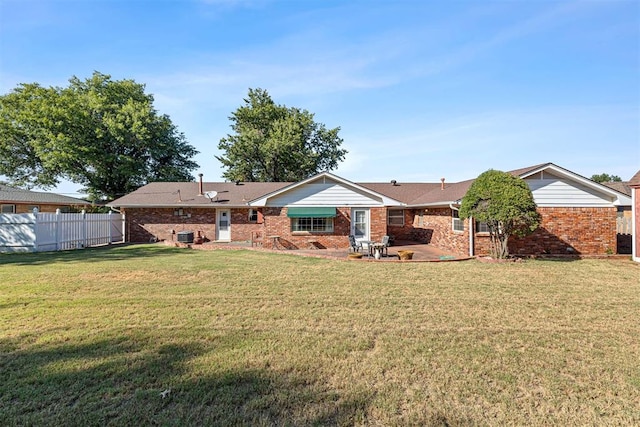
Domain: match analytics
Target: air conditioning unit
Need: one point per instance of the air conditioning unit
(185, 237)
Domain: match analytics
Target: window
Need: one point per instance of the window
(30, 208)
(482, 227)
(395, 217)
(458, 224)
(253, 215)
(309, 224)
(7, 208)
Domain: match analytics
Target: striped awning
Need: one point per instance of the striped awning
(308, 212)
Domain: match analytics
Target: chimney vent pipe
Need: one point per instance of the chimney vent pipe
(442, 183)
(200, 193)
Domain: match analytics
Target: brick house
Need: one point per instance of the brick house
(634, 183)
(578, 215)
(16, 200)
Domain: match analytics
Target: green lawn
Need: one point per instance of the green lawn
(242, 337)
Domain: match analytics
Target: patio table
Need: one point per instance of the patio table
(376, 247)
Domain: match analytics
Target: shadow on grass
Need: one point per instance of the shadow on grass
(102, 253)
(121, 382)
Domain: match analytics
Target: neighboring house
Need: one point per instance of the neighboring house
(16, 200)
(634, 184)
(578, 215)
(624, 220)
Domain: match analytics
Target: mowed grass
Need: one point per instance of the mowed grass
(94, 337)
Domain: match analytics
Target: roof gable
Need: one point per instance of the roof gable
(570, 188)
(325, 189)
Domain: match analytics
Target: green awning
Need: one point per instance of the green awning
(323, 212)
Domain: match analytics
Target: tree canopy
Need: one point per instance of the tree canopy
(99, 133)
(274, 143)
(605, 177)
(505, 203)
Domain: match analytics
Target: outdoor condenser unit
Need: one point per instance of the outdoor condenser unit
(185, 237)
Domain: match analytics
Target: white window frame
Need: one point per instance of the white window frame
(482, 227)
(253, 215)
(457, 224)
(393, 219)
(312, 225)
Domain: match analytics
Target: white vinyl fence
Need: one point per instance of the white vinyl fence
(623, 225)
(37, 232)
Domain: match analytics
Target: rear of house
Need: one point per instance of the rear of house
(578, 215)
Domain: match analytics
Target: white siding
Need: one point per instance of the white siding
(323, 194)
(559, 192)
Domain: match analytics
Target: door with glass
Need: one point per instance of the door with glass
(360, 224)
(223, 229)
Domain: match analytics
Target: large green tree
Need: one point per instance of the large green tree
(102, 134)
(274, 143)
(505, 203)
(605, 177)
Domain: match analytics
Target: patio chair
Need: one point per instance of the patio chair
(385, 245)
(355, 245)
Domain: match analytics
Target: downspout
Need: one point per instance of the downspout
(471, 234)
(471, 241)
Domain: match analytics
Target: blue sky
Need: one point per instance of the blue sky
(420, 89)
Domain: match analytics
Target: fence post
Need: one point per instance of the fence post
(84, 228)
(58, 219)
(124, 224)
(110, 225)
(35, 229)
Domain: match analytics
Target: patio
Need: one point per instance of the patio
(421, 252)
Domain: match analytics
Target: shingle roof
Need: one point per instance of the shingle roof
(635, 180)
(622, 187)
(173, 194)
(402, 191)
(17, 195)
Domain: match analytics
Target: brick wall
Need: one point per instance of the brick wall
(144, 225)
(28, 208)
(432, 226)
(241, 227)
(378, 224)
(406, 231)
(565, 231)
(439, 222)
(277, 223)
